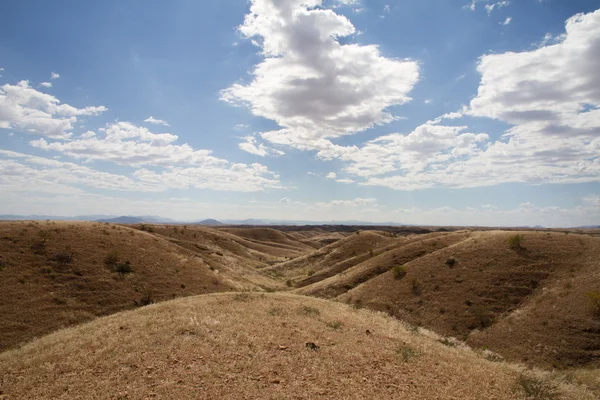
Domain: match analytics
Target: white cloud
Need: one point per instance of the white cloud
(152, 120)
(550, 96)
(345, 180)
(54, 75)
(241, 126)
(506, 21)
(31, 111)
(357, 202)
(310, 84)
(252, 146)
(489, 8)
(182, 167)
(21, 173)
(331, 175)
(46, 84)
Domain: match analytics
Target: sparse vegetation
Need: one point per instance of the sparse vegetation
(44, 235)
(594, 299)
(451, 262)
(399, 271)
(536, 389)
(123, 268)
(65, 256)
(309, 311)
(416, 286)
(111, 258)
(335, 325)
(406, 353)
(516, 242)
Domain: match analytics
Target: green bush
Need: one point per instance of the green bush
(123, 268)
(399, 271)
(516, 242)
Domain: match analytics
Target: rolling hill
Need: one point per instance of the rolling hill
(256, 346)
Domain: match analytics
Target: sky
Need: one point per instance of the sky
(461, 112)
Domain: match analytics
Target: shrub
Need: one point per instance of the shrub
(594, 298)
(289, 283)
(65, 257)
(111, 258)
(123, 268)
(406, 353)
(307, 310)
(536, 388)
(147, 297)
(146, 228)
(416, 286)
(516, 242)
(335, 325)
(451, 262)
(399, 271)
(44, 235)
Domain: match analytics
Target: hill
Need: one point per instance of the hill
(252, 346)
(209, 222)
(527, 304)
(123, 220)
(56, 274)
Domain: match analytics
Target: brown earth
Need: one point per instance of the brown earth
(54, 274)
(261, 346)
(527, 305)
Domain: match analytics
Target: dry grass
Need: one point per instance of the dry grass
(210, 347)
(528, 305)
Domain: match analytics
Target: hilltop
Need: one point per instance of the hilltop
(252, 346)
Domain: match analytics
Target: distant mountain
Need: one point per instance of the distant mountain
(209, 222)
(123, 220)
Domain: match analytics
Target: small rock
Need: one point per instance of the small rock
(312, 346)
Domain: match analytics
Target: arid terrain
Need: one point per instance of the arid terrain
(377, 312)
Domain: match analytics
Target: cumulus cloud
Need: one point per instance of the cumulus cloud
(252, 146)
(152, 120)
(180, 166)
(46, 84)
(28, 110)
(506, 21)
(54, 75)
(313, 86)
(22, 172)
(331, 175)
(550, 96)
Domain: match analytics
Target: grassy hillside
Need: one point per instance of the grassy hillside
(55, 274)
(528, 304)
(252, 346)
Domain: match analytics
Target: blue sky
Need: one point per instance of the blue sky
(433, 112)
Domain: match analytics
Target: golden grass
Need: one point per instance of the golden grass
(255, 346)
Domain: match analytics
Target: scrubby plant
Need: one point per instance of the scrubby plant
(416, 286)
(399, 271)
(335, 325)
(44, 235)
(451, 262)
(123, 268)
(536, 388)
(307, 310)
(289, 283)
(146, 228)
(594, 299)
(516, 242)
(65, 257)
(406, 353)
(111, 258)
(147, 297)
